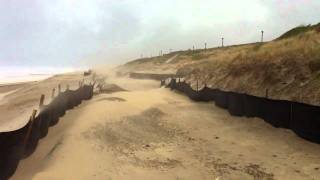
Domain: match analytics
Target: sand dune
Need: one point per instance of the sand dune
(16, 107)
(149, 132)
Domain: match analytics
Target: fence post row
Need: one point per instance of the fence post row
(32, 117)
(41, 101)
(19, 144)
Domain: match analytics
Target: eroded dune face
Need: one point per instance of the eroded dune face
(147, 132)
(287, 67)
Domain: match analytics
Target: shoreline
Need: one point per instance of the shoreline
(22, 80)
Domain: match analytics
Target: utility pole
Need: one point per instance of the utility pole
(222, 39)
(262, 35)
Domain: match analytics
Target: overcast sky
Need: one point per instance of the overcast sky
(86, 32)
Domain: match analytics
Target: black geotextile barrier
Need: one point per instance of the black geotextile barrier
(11, 150)
(21, 143)
(172, 84)
(207, 94)
(306, 121)
(277, 113)
(221, 99)
(186, 89)
(303, 119)
(235, 103)
(45, 117)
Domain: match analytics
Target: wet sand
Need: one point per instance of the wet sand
(149, 132)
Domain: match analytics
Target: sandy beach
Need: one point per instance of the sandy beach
(148, 132)
(17, 100)
(160, 90)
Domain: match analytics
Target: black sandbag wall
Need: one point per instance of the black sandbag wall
(303, 119)
(21, 143)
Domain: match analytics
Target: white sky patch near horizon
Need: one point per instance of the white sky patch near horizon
(89, 32)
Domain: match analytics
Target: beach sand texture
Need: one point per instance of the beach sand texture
(149, 132)
(18, 100)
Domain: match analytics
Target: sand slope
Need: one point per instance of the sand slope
(16, 107)
(288, 67)
(153, 133)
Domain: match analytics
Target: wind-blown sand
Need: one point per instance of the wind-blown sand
(149, 132)
(18, 100)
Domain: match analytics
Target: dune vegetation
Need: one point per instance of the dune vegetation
(287, 67)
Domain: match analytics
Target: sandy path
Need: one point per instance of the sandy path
(158, 134)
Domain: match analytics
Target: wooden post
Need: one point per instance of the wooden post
(53, 91)
(267, 93)
(32, 117)
(222, 42)
(41, 100)
(59, 88)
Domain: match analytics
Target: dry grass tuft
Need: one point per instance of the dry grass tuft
(284, 66)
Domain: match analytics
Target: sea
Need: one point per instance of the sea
(18, 74)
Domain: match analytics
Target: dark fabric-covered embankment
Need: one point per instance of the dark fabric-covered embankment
(303, 119)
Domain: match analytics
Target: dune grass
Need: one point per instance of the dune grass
(299, 46)
(299, 30)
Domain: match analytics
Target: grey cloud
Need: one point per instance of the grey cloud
(77, 32)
